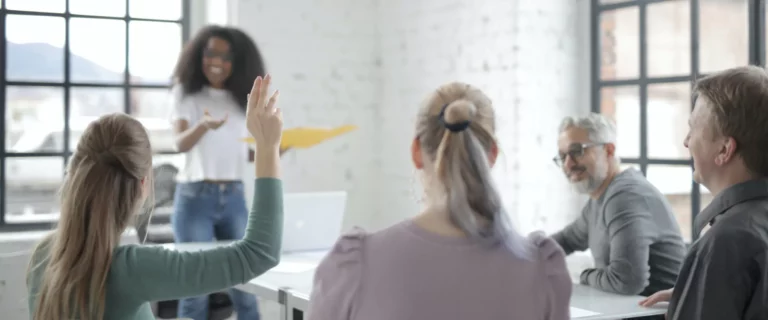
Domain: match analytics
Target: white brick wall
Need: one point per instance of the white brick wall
(371, 63)
(323, 57)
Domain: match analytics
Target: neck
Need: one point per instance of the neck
(437, 221)
(613, 170)
(728, 179)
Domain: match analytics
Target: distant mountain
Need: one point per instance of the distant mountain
(44, 62)
(40, 62)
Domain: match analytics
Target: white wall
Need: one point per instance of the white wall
(323, 58)
(371, 62)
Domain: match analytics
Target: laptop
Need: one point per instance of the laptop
(312, 221)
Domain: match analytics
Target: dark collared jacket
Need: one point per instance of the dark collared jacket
(725, 274)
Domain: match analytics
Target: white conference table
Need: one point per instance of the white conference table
(290, 284)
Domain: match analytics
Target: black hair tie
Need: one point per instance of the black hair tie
(453, 127)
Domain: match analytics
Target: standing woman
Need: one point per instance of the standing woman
(212, 80)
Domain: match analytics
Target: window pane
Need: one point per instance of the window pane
(95, 102)
(153, 9)
(620, 44)
(622, 104)
(31, 186)
(675, 183)
(107, 8)
(98, 50)
(613, 1)
(724, 44)
(87, 104)
(36, 5)
(35, 48)
(706, 197)
(151, 107)
(669, 38)
(669, 106)
(217, 12)
(34, 119)
(154, 48)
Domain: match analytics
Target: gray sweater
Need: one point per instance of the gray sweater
(633, 236)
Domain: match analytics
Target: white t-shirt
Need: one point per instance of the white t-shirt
(220, 154)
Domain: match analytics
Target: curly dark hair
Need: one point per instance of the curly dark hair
(247, 63)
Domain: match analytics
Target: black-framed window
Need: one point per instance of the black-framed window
(62, 64)
(645, 56)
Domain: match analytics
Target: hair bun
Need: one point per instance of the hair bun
(106, 156)
(459, 111)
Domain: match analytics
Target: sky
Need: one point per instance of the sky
(154, 46)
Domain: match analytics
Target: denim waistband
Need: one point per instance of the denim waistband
(200, 187)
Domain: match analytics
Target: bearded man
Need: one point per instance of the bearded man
(627, 224)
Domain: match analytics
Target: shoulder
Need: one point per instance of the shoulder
(732, 242)
(179, 94)
(628, 199)
(344, 262)
(348, 248)
(630, 186)
(37, 264)
(548, 252)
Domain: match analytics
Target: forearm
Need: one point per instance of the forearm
(609, 280)
(627, 271)
(188, 138)
(252, 154)
(265, 224)
(267, 163)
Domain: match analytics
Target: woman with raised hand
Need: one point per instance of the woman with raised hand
(81, 272)
(459, 258)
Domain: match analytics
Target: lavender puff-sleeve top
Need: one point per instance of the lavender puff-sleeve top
(405, 272)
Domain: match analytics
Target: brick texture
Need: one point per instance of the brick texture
(371, 63)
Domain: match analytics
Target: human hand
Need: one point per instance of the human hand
(263, 120)
(661, 296)
(212, 123)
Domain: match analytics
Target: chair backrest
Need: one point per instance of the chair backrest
(164, 182)
(13, 280)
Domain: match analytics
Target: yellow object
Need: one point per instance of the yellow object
(305, 137)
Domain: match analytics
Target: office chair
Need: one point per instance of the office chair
(220, 306)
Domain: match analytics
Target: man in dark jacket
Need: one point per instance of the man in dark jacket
(725, 274)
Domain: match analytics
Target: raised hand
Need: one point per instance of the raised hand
(212, 123)
(263, 120)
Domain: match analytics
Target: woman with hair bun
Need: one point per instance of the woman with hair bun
(459, 258)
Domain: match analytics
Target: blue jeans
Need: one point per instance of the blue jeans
(203, 212)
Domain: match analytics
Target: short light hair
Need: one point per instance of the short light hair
(600, 128)
(738, 99)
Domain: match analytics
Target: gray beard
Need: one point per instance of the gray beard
(587, 186)
(593, 182)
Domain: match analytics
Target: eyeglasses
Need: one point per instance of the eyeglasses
(226, 56)
(575, 151)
